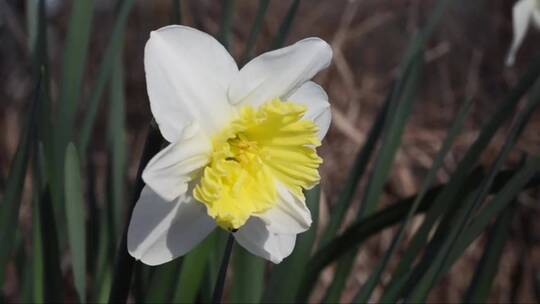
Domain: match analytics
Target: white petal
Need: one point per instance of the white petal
(160, 231)
(521, 17)
(277, 73)
(289, 216)
(187, 77)
(315, 99)
(255, 238)
(169, 172)
(536, 16)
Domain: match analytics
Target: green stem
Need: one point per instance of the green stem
(220, 282)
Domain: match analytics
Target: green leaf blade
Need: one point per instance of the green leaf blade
(75, 53)
(162, 283)
(399, 112)
(248, 276)
(364, 294)
(487, 268)
(51, 250)
(286, 25)
(255, 30)
(116, 138)
(435, 269)
(455, 186)
(103, 75)
(11, 201)
(355, 175)
(226, 23)
(75, 218)
(192, 273)
(73, 66)
(176, 16)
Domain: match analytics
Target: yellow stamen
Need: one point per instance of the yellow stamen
(260, 147)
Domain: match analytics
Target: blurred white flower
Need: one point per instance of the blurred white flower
(242, 145)
(524, 12)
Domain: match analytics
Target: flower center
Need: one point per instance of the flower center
(258, 149)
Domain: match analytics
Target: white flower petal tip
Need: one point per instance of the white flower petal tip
(522, 13)
(289, 216)
(160, 231)
(187, 76)
(257, 239)
(315, 99)
(169, 172)
(278, 73)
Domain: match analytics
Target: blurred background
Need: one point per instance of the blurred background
(464, 58)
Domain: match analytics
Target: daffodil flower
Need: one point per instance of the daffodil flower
(242, 145)
(523, 13)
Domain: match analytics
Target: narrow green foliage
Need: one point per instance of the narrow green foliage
(518, 181)
(37, 43)
(362, 229)
(248, 277)
(255, 30)
(75, 218)
(103, 273)
(457, 181)
(40, 70)
(94, 218)
(286, 25)
(286, 277)
(11, 200)
(191, 275)
(378, 179)
(442, 260)
(116, 138)
(355, 175)
(18, 255)
(26, 279)
(343, 269)
(433, 272)
(37, 28)
(355, 234)
(73, 65)
(422, 37)
(399, 113)
(38, 275)
(74, 62)
(104, 73)
(391, 139)
(32, 21)
(104, 287)
(218, 242)
(163, 282)
(487, 268)
(444, 231)
(364, 294)
(176, 17)
(124, 264)
(226, 23)
(51, 252)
